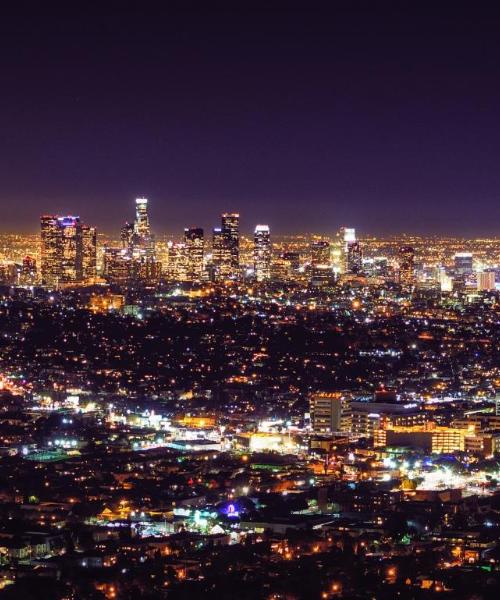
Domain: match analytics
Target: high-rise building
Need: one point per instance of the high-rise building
(118, 266)
(486, 281)
(127, 236)
(51, 250)
(406, 259)
(345, 236)
(72, 249)
(354, 262)
(286, 266)
(226, 248)
(320, 253)
(262, 253)
(141, 225)
(178, 262)
(89, 252)
(28, 271)
(221, 266)
(68, 250)
(463, 264)
(230, 229)
(194, 241)
(329, 412)
(321, 271)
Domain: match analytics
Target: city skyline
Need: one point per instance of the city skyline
(305, 120)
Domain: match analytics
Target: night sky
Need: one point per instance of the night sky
(383, 118)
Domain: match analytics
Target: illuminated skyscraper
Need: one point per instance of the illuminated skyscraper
(226, 247)
(89, 252)
(127, 236)
(354, 262)
(321, 272)
(406, 259)
(118, 266)
(486, 281)
(141, 225)
(178, 262)
(28, 271)
(68, 250)
(320, 253)
(221, 267)
(262, 253)
(345, 236)
(230, 229)
(72, 249)
(51, 250)
(463, 264)
(194, 241)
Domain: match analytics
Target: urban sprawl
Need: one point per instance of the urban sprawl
(248, 416)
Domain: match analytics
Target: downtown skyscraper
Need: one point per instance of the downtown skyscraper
(262, 253)
(68, 250)
(226, 247)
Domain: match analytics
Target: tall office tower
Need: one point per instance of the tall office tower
(221, 266)
(444, 280)
(320, 253)
(127, 236)
(28, 271)
(406, 260)
(178, 262)
(117, 266)
(286, 266)
(89, 252)
(329, 413)
(143, 242)
(463, 264)
(194, 241)
(51, 250)
(62, 250)
(354, 261)
(262, 253)
(345, 236)
(141, 225)
(486, 281)
(72, 249)
(321, 272)
(230, 229)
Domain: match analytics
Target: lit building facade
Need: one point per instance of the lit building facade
(406, 259)
(262, 253)
(194, 243)
(68, 250)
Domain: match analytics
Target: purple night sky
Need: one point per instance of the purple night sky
(383, 118)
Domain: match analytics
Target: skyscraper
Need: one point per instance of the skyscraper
(320, 253)
(262, 253)
(89, 252)
(463, 264)
(178, 262)
(194, 241)
(127, 236)
(230, 229)
(72, 249)
(51, 250)
(28, 271)
(486, 281)
(68, 250)
(406, 260)
(354, 262)
(141, 225)
(345, 236)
